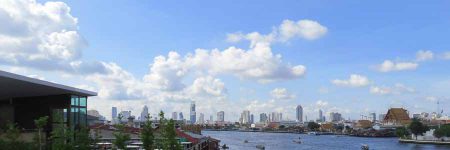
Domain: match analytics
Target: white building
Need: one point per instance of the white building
(221, 116)
(245, 117)
(144, 113)
(174, 116)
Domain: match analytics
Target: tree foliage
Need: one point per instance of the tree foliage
(417, 128)
(401, 132)
(40, 123)
(147, 136)
(313, 126)
(443, 131)
(121, 136)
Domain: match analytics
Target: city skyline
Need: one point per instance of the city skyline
(335, 58)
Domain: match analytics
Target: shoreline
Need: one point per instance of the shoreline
(424, 142)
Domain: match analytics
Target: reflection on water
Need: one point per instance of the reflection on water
(286, 141)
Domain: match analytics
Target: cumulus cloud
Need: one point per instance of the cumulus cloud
(389, 66)
(208, 86)
(281, 93)
(288, 29)
(355, 80)
(424, 55)
(396, 89)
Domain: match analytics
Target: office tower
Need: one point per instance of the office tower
(252, 119)
(263, 117)
(221, 116)
(181, 116)
(335, 117)
(320, 115)
(114, 113)
(201, 119)
(281, 116)
(144, 113)
(193, 114)
(174, 116)
(299, 113)
(210, 118)
(373, 117)
(245, 117)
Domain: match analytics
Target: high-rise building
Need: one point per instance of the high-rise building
(144, 113)
(263, 117)
(381, 117)
(245, 117)
(114, 113)
(373, 117)
(174, 116)
(275, 117)
(210, 118)
(221, 116)
(335, 117)
(252, 118)
(181, 116)
(201, 119)
(193, 114)
(299, 113)
(321, 115)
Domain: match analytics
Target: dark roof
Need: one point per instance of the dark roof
(14, 86)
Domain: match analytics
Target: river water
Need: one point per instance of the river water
(284, 141)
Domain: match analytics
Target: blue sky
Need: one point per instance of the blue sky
(360, 36)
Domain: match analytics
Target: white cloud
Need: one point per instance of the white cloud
(321, 103)
(208, 86)
(288, 29)
(307, 29)
(424, 55)
(281, 93)
(355, 80)
(396, 89)
(446, 55)
(388, 66)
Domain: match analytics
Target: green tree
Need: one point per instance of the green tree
(417, 127)
(313, 126)
(61, 135)
(170, 135)
(82, 139)
(443, 131)
(40, 123)
(148, 138)
(401, 132)
(121, 137)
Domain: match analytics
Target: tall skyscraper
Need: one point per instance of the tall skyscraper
(144, 113)
(299, 113)
(221, 116)
(193, 114)
(174, 116)
(373, 116)
(181, 116)
(320, 115)
(201, 119)
(252, 118)
(263, 117)
(245, 117)
(211, 118)
(114, 113)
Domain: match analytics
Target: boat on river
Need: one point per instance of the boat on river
(261, 147)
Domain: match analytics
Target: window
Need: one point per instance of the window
(78, 112)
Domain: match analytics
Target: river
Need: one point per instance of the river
(284, 141)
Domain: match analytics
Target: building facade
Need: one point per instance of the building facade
(221, 116)
(299, 113)
(193, 114)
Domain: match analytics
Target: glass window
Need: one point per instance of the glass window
(82, 116)
(82, 101)
(74, 101)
